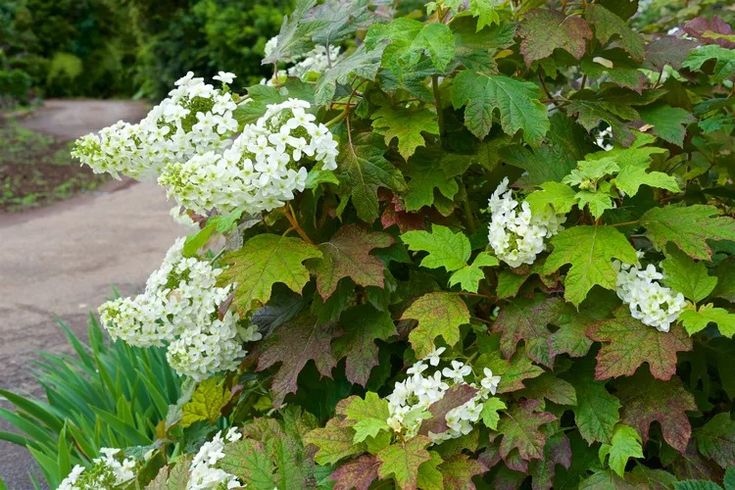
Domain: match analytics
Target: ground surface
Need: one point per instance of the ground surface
(63, 260)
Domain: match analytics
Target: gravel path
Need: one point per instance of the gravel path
(62, 261)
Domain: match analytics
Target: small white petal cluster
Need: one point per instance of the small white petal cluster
(203, 474)
(108, 471)
(650, 302)
(179, 308)
(262, 169)
(308, 66)
(515, 234)
(195, 118)
(410, 401)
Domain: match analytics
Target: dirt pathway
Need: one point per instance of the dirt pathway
(64, 260)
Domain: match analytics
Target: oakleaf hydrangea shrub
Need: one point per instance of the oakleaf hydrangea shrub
(452, 244)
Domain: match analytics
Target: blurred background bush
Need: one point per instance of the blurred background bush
(113, 48)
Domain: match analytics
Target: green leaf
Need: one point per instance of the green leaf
(409, 39)
(206, 403)
(596, 412)
(291, 40)
(437, 314)
(517, 102)
(437, 41)
(549, 387)
(458, 471)
(716, 439)
(445, 248)
(294, 344)
(362, 63)
(609, 26)
(646, 400)
(560, 197)
(348, 254)
(627, 344)
(426, 175)
(669, 123)
(489, 414)
(248, 460)
(521, 430)
(485, 11)
(589, 249)
(696, 320)
(263, 261)
(362, 325)
(469, 276)
(369, 415)
(561, 32)
(597, 202)
(631, 178)
(363, 170)
(696, 485)
(406, 125)
(687, 277)
(317, 176)
(334, 441)
(689, 227)
(625, 444)
(402, 459)
(724, 61)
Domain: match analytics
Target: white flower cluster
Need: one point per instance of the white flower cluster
(261, 170)
(203, 475)
(410, 401)
(107, 472)
(179, 307)
(309, 65)
(650, 302)
(194, 119)
(515, 234)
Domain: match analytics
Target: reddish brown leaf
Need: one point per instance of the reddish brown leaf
(668, 50)
(293, 345)
(526, 319)
(347, 254)
(358, 473)
(707, 30)
(521, 427)
(455, 396)
(459, 470)
(557, 451)
(646, 400)
(560, 32)
(628, 343)
(395, 214)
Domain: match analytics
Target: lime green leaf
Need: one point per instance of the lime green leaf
(596, 412)
(318, 176)
(402, 459)
(669, 123)
(364, 169)
(561, 32)
(696, 320)
(445, 248)
(206, 403)
(248, 460)
(609, 26)
(347, 254)
(686, 276)
(625, 444)
(597, 202)
(517, 102)
(489, 414)
(521, 428)
(555, 194)
(589, 249)
(406, 125)
(469, 276)
(689, 227)
(429, 477)
(631, 178)
(485, 11)
(437, 314)
(724, 60)
(368, 415)
(335, 441)
(263, 261)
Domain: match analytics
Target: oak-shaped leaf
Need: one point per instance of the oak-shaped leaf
(526, 319)
(357, 474)
(724, 58)
(263, 261)
(362, 326)
(368, 415)
(361, 63)
(207, 401)
(569, 33)
(437, 314)
(348, 254)
(521, 429)
(552, 388)
(294, 344)
(248, 460)
(172, 477)
(517, 101)
(610, 27)
(696, 320)
(459, 470)
(406, 126)
(334, 441)
(687, 277)
(597, 411)
(625, 444)
(589, 250)
(646, 399)
(557, 451)
(402, 459)
(627, 344)
(669, 123)
(716, 439)
(454, 397)
(689, 227)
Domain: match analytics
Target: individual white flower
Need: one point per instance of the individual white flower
(434, 357)
(489, 381)
(225, 77)
(514, 233)
(457, 372)
(650, 302)
(203, 474)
